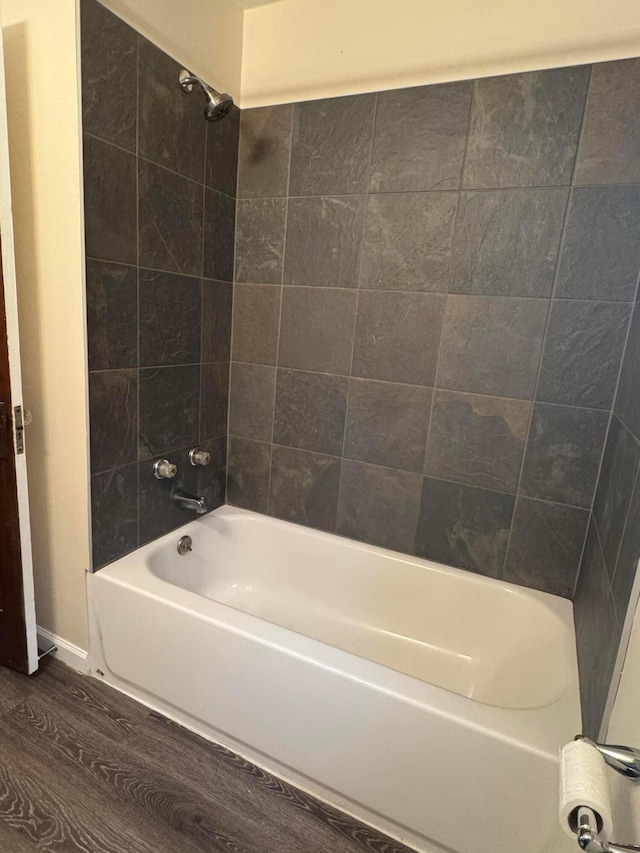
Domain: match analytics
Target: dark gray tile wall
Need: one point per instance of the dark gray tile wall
(159, 187)
(433, 291)
(433, 317)
(606, 269)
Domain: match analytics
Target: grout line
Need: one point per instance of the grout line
(607, 577)
(350, 376)
(202, 289)
(451, 391)
(543, 343)
(138, 317)
(582, 550)
(284, 259)
(617, 384)
(451, 254)
(613, 573)
(409, 472)
(511, 189)
(623, 420)
(144, 268)
(554, 300)
(158, 165)
(606, 434)
(611, 417)
(535, 401)
(152, 367)
(414, 291)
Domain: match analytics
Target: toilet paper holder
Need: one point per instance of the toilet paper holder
(625, 760)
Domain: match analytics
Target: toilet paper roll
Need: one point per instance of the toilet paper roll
(583, 782)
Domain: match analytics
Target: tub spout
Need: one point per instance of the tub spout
(186, 501)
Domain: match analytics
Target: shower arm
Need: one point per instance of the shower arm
(187, 82)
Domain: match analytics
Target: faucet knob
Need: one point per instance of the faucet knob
(164, 470)
(199, 457)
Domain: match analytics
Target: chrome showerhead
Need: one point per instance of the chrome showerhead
(217, 106)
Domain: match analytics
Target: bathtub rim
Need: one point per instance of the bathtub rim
(541, 730)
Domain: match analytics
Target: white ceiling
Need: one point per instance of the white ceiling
(251, 4)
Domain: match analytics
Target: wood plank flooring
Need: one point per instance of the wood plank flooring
(84, 768)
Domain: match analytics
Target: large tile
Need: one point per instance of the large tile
(169, 399)
(600, 256)
(114, 514)
(379, 505)
(477, 440)
(316, 329)
(260, 228)
(112, 315)
(265, 145)
(109, 202)
(170, 221)
(113, 414)
(387, 423)
(628, 556)
(491, 345)
(158, 513)
(331, 146)
(524, 129)
(407, 242)
(221, 164)
(256, 323)
(323, 241)
(171, 127)
(397, 336)
(545, 546)
(304, 487)
(615, 489)
(170, 310)
(597, 634)
(507, 241)
(248, 474)
(464, 526)
(582, 352)
(420, 137)
(219, 235)
(610, 147)
(310, 411)
(627, 405)
(214, 400)
(251, 401)
(109, 69)
(563, 454)
(217, 306)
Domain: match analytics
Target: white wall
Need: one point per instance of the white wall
(205, 35)
(44, 128)
(305, 49)
(44, 147)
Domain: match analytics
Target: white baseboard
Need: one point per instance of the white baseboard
(66, 652)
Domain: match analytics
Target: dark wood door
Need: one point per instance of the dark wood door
(13, 629)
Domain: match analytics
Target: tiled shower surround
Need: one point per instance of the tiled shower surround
(613, 543)
(433, 292)
(433, 289)
(159, 186)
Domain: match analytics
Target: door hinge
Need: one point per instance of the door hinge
(4, 442)
(19, 428)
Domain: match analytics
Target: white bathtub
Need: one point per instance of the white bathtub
(427, 701)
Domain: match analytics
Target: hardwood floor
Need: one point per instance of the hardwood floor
(84, 768)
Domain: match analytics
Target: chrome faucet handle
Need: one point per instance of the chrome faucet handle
(624, 759)
(164, 470)
(199, 457)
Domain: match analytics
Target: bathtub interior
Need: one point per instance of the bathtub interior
(477, 637)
